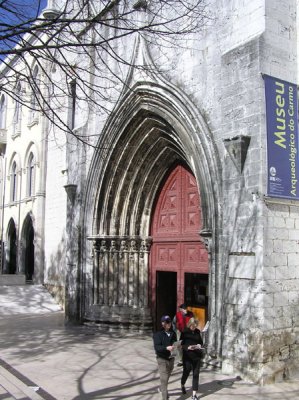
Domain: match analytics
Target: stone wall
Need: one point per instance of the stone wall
(55, 217)
(280, 323)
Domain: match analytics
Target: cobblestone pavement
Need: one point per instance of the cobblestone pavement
(41, 358)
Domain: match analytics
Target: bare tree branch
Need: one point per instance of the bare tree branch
(81, 42)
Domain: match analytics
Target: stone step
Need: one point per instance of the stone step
(26, 299)
(12, 279)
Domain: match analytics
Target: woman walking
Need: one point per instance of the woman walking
(192, 345)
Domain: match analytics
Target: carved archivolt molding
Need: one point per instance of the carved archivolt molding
(151, 130)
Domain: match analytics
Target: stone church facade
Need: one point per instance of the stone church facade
(169, 203)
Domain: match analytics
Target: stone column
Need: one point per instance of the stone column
(123, 273)
(120, 272)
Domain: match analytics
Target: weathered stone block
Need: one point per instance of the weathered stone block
(281, 299)
(294, 297)
(269, 272)
(264, 299)
(293, 260)
(242, 266)
(12, 279)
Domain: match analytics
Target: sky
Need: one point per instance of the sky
(14, 10)
(14, 13)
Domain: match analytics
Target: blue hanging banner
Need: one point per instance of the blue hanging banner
(282, 138)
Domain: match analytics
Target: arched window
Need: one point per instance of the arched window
(2, 112)
(33, 115)
(73, 101)
(18, 110)
(13, 182)
(31, 175)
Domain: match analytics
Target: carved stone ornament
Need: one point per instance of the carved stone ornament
(206, 237)
(237, 148)
(71, 190)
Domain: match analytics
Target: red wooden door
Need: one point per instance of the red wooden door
(175, 231)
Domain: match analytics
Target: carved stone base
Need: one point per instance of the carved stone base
(119, 318)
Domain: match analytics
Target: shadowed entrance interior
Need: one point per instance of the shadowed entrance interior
(29, 250)
(11, 256)
(165, 295)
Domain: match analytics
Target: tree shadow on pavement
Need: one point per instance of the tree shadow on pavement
(124, 390)
(116, 392)
(208, 388)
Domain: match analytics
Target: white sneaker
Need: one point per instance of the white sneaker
(159, 391)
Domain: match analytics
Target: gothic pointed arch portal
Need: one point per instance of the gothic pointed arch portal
(178, 259)
(152, 130)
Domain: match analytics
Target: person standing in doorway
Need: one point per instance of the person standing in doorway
(179, 322)
(163, 344)
(193, 351)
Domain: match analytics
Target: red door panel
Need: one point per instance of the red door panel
(190, 205)
(175, 231)
(194, 258)
(167, 221)
(166, 255)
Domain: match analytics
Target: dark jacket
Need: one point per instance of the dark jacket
(189, 338)
(161, 341)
